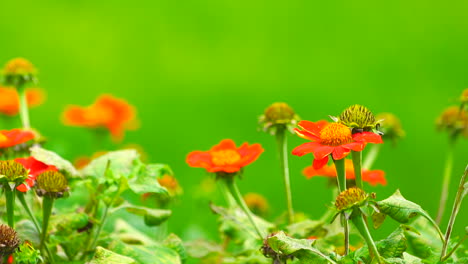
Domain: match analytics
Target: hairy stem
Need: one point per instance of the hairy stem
(341, 178)
(456, 207)
(232, 187)
(361, 226)
(10, 204)
(446, 182)
(282, 142)
(357, 163)
(47, 206)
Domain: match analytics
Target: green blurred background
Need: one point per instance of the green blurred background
(200, 71)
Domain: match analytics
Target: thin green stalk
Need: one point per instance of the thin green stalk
(456, 207)
(101, 225)
(341, 178)
(454, 248)
(24, 114)
(282, 142)
(446, 182)
(47, 206)
(232, 187)
(226, 194)
(357, 164)
(10, 204)
(371, 156)
(23, 202)
(361, 226)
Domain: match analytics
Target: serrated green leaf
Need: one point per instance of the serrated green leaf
(155, 254)
(104, 256)
(146, 179)
(423, 241)
(122, 164)
(175, 243)
(403, 211)
(389, 248)
(152, 217)
(410, 259)
(299, 248)
(51, 158)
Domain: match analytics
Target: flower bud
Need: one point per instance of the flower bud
(358, 118)
(256, 203)
(453, 120)
(9, 240)
(52, 183)
(278, 115)
(12, 172)
(390, 125)
(18, 72)
(352, 197)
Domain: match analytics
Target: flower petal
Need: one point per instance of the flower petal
(199, 159)
(319, 151)
(313, 128)
(319, 163)
(224, 144)
(340, 153)
(306, 135)
(374, 177)
(356, 146)
(368, 137)
(249, 154)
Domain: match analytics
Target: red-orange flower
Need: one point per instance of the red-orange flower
(35, 168)
(109, 112)
(373, 177)
(225, 157)
(331, 139)
(9, 99)
(10, 138)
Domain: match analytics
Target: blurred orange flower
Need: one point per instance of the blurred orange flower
(35, 168)
(10, 138)
(373, 177)
(225, 157)
(9, 99)
(109, 112)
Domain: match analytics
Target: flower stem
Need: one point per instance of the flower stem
(10, 204)
(341, 178)
(361, 226)
(282, 142)
(446, 182)
(456, 207)
(226, 194)
(102, 221)
(371, 156)
(454, 248)
(47, 206)
(24, 114)
(357, 163)
(232, 187)
(23, 202)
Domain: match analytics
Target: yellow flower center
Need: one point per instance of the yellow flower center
(335, 134)
(225, 157)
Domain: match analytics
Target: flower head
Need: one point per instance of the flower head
(225, 158)
(9, 240)
(12, 172)
(390, 125)
(18, 72)
(349, 198)
(108, 112)
(358, 117)
(373, 177)
(278, 115)
(9, 99)
(331, 138)
(257, 203)
(10, 138)
(52, 183)
(454, 120)
(35, 168)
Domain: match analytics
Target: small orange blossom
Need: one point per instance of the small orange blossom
(10, 138)
(9, 99)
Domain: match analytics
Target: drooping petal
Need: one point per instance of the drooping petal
(306, 135)
(249, 153)
(319, 163)
(374, 177)
(305, 148)
(368, 137)
(22, 188)
(311, 129)
(340, 153)
(199, 159)
(224, 144)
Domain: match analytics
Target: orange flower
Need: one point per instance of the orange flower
(9, 99)
(35, 168)
(373, 177)
(331, 139)
(225, 157)
(109, 112)
(10, 138)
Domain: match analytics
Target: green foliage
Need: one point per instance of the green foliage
(154, 254)
(120, 162)
(51, 158)
(152, 217)
(104, 256)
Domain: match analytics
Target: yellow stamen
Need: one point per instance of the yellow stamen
(335, 134)
(225, 157)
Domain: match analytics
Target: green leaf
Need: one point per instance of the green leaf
(104, 256)
(307, 228)
(27, 231)
(122, 163)
(66, 223)
(403, 211)
(130, 235)
(175, 243)
(155, 254)
(146, 179)
(378, 219)
(51, 158)
(299, 248)
(202, 248)
(152, 217)
(423, 241)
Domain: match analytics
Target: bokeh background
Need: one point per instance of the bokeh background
(199, 71)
